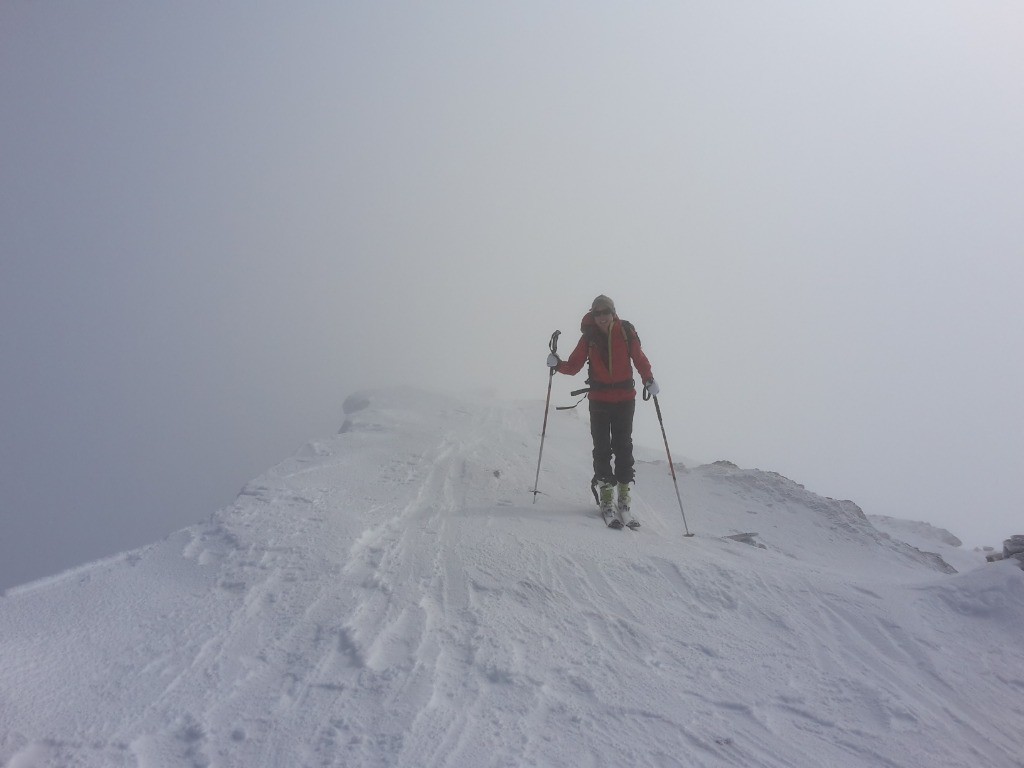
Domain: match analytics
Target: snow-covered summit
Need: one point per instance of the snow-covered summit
(390, 596)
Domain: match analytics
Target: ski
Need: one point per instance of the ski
(611, 520)
(627, 519)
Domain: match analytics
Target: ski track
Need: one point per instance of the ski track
(400, 602)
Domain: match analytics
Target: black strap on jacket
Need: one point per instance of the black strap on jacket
(599, 385)
(625, 384)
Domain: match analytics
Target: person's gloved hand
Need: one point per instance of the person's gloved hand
(652, 387)
(553, 361)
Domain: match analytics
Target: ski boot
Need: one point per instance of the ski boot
(623, 507)
(606, 502)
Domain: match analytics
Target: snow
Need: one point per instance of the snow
(927, 537)
(391, 596)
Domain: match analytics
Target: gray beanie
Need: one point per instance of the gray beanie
(602, 301)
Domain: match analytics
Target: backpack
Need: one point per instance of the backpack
(593, 337)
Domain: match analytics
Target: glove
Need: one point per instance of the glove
(553, 361)
(652, 387)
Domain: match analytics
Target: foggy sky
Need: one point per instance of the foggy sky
(218, 220)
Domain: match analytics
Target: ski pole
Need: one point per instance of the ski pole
(553, 346)
(671, 466)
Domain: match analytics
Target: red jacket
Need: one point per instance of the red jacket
(611, 358)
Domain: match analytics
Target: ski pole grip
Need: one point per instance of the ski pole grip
(553, 346)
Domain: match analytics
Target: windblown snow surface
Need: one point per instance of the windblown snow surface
(392, 597)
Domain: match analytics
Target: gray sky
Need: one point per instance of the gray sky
(217, 220)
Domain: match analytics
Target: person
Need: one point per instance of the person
(612, 348)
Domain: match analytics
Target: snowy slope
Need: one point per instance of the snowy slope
(929, 538)
(391, 597)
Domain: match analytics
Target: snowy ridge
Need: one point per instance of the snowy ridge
(922, 533)
(926, 537)
(391, 597)
(801, 524)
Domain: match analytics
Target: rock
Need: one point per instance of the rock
(747, 538)
(355, 402)
(1013, 546)
(1013, 549)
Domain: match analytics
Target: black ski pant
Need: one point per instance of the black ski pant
(611, 427)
